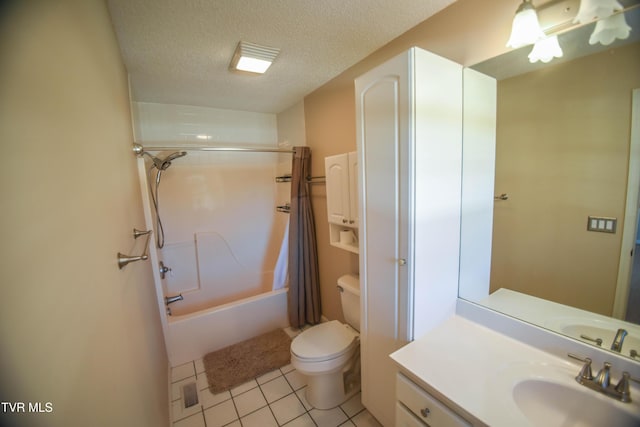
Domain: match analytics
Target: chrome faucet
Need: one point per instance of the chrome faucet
(618, 340)
(602, 381)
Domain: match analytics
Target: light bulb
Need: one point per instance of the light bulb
(609, 29)
(526, 28)
(545, 50)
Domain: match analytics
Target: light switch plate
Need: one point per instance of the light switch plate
(602, 224)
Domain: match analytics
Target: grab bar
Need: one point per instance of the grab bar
(126, 259)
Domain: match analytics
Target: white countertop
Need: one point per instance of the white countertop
(473, 368)
(550, 315)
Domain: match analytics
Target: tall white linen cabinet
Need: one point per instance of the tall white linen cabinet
(409, 144)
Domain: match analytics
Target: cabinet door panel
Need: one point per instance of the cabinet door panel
(337, 179)
(382, 137)
(354, 218)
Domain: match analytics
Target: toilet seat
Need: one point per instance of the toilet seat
(325, 341)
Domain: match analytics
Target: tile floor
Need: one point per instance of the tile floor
(274, 399)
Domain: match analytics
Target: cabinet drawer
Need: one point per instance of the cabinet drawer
(404, 418)
(426, 407)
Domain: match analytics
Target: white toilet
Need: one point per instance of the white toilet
(328, 354)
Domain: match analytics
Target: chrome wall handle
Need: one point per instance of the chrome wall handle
(163, 270)
(126, 259)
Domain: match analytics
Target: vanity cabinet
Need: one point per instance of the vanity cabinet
(417, 408)
(341, 173)
(409, 141)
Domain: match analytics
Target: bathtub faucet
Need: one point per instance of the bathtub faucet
(169, 300)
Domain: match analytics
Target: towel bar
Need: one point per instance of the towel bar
(286, 208)
(126, 259)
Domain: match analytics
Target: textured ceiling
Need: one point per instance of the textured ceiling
(178, 52)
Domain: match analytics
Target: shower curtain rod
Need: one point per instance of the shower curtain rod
(139, 149)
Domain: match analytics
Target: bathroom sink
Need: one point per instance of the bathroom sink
(547, 403)
(580, 328)
(547, 394)
(607, 336)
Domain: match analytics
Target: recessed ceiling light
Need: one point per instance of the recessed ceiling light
(253, 58)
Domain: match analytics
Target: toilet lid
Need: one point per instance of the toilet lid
(323, 341)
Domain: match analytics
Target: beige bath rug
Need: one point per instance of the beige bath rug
(239, 363)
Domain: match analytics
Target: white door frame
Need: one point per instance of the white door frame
(630, 214)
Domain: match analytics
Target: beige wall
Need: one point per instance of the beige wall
(562, 155)
(468, 31)
(75, 330)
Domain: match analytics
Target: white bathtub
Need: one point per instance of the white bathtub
(191, 336)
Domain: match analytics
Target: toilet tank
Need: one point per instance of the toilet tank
(349, 286)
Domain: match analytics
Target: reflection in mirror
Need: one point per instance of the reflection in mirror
(563, 135)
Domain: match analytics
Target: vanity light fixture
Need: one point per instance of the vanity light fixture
(611, 23)
(525, 28)
(596, 9)
(545, 50)
(253, 58)
(609, 29)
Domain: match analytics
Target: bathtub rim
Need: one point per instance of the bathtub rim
(226, 306)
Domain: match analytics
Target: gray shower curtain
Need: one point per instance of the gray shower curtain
(304, 283)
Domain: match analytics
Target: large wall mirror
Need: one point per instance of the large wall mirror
(563, 138)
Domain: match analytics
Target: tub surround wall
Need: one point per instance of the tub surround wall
(76, 331)
(202, 125)
(222, 231)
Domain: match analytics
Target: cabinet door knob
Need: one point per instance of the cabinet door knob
(425, 412)
(402, 261)
(344, 221)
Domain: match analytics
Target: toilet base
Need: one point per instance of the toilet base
(328, 391)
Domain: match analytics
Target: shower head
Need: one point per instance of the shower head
(175, 155)
(163, 164)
